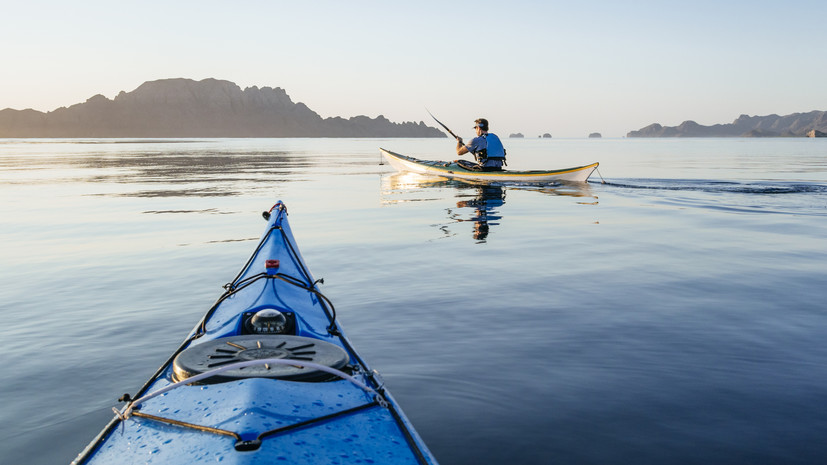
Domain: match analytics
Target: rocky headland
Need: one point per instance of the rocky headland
(207, 108)
(794, 125)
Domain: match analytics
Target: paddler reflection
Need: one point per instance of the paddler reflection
(488, 199)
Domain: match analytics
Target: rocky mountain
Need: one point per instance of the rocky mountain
(794, 125)
(207, 108)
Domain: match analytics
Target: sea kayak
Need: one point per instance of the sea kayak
(267, 376)
(449, 169)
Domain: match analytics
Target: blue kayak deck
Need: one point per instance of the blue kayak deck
(263, 418)
(366, 433)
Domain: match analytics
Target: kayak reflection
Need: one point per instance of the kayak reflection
(477, 202)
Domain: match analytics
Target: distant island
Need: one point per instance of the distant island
(207, 108)
(595, 135)
(516, 135)
(795, 125)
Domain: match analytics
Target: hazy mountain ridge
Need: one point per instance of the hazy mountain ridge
(793, 125)
(208, 108)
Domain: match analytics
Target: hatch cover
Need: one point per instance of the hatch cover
(210, 355)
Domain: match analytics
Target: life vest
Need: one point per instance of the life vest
(494, 149)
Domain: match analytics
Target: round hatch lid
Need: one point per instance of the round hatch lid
(210, 355)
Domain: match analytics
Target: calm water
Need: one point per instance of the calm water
(675, 314)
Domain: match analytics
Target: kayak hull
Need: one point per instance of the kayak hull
(295, 415)
(453, 170)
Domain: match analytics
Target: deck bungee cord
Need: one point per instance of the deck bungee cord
(132, 408)
(264, 361)
(250, 445)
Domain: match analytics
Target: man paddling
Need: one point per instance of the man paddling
(487, 148)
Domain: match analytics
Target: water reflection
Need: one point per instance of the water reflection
(478, 202)
(162, 171)
(485, 204)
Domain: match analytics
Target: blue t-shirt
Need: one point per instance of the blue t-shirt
(480, 143)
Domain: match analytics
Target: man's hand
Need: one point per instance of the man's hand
(461, 148)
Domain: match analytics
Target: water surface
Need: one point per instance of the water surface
(674, 314)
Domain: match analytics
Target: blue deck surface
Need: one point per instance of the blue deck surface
(251, 407)
(325, 421)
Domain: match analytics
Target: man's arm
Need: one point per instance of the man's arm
(462, 149)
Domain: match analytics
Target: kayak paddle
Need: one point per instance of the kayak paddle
(444, 126)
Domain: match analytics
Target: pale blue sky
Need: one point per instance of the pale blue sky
(568, 68)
